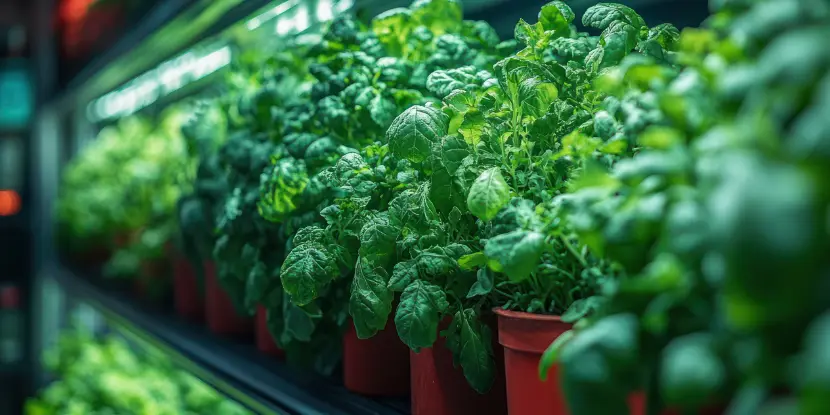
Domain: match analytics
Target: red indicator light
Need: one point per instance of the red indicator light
(9, 203)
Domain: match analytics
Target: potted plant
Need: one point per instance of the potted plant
(354, 243)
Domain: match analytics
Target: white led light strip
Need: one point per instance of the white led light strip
(167, 78)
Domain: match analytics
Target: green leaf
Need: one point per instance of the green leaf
(576, 49)
(527, 33)
(310, 234)
(446, 190)
(377, 240)
(691, 373)
(556, 16)
(602, 15)
(483, 284)
(460, 100)
(418, 314)
(412, 133)
(453, 151)
(488, 194)
(403, 274)
(256, 286)
(382, 110)
(476, 355)
(371, 301)
(516, 253)
(443, 82)
(603, 387)
(536, 96)
(551, 354)
(307, 268)
(472, 261)
(297, 323)
(413, 208)
(472, 126)
(581, 308)
(439, 16)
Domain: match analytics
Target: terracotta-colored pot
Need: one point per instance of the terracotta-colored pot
(264, 342)
(525, 337)
(439, 388)
(378, 366)
(222, 317)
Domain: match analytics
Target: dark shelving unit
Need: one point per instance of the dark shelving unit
(263, 384)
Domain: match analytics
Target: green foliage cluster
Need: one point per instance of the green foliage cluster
(124, 185)
(717, 225)
(107, 377)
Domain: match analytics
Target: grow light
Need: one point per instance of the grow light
(165, 79)
(270, 14)
(298, 22)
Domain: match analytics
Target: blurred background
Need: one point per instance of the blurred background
(69, 68)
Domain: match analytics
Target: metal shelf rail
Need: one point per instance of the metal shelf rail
(264, 385)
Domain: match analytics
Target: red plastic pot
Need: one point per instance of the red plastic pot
(264, 342)
(378, 366)
(222, 317)
(438, 388)
(525, 337)
(187, 296)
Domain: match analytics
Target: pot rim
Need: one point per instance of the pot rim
(501, 312)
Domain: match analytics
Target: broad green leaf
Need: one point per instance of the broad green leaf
(297, 323)
(439, 16)
(556, 16)
(418, 314)
(413, 133)
(437, 262)
(413, 209)
(403, 274)
(393, 27)
(377, 240)
(446, 190)
(460, 100)
(443, 82)
(307, 268)
(371, 301)
(488, 194)
(476, 355)
(576, 49)
(382, 110)
(483, 284)
(536, 96)
(309, 234)
(472, 127)
(602, 15)
(517, 253)
(472, 261)
(453, 151)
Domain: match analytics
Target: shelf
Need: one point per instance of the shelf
(238, 370)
